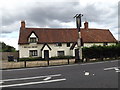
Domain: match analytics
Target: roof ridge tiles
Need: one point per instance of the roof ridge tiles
(65, 28)
(52, 28)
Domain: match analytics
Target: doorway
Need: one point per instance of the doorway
(46, 54)
(77, 54)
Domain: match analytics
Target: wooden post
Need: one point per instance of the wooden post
(25, 63)
(68, 61)
(48, 62)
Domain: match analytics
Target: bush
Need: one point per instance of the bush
(39, 58)
(61, 57)
(30, 59)
(102, 51)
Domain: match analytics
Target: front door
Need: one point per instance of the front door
(76, 54)
(46, 54)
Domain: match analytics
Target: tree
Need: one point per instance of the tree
(6, 48)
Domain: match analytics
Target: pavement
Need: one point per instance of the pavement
(88, 75)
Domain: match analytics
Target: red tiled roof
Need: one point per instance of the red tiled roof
(53, 35)
(97, 35)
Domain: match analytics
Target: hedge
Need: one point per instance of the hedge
(31, 59)
(101, 51)
(62, 57)
(40, 58)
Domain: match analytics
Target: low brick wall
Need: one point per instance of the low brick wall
(8, 65)
(6, 54)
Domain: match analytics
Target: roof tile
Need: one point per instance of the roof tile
(53, 35)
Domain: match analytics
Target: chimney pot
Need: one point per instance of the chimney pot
(86, 25)
(22, 24)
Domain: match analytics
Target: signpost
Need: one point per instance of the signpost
(78, 24)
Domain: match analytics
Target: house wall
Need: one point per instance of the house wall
(73, 51)
(60, 48)
(97, 44)
(24, 49)
(111, 44)
(91, 44)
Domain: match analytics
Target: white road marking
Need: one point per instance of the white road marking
(115, 68)
(47, 78)
(87, 73)
(1, 82)
(31, 83)
(60, 66)
(118, 71)
(30, 78)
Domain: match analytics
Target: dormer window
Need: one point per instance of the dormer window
(33, 38)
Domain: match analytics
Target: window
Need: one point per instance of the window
(33, 52)
(68, 44)
(25, 46)
(58, 44)
(104, 44)
(60, 53)
(32, 40)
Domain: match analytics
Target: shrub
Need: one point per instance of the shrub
(61, 57)
(30, 59)
(101, 51)
(39, 58)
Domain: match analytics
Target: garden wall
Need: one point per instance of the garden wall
(6, 54)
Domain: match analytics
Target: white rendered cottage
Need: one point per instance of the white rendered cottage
(36, 42)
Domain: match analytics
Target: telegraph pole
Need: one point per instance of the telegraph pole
(78, 24)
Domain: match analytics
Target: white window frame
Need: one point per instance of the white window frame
(33, 53)
(58, 53)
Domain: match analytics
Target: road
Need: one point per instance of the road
(88, 75)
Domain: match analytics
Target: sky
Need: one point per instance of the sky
(101, 14)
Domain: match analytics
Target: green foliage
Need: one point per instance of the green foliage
(102, 51)
(31, 59)
(40, 58)
(61, 57)
(6, 48)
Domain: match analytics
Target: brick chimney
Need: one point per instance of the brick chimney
(22, 24)
(86, 25)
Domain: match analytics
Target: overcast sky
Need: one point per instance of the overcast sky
(55, 14)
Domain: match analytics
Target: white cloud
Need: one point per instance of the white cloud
(13, 27)
(69, 25)
(56, 13)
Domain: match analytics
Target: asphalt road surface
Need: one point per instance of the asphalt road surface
(88, 75)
